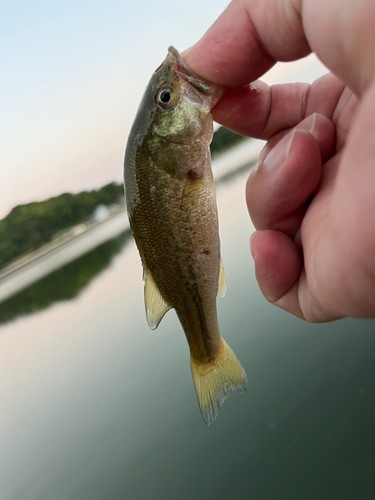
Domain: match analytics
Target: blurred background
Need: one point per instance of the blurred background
(93, 404)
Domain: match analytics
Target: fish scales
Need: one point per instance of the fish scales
(185, 228)
(172, 212)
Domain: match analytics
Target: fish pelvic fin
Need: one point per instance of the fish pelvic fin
(216, 380)
(155, 304)
(222, 290)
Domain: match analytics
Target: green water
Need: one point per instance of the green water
(96, 406)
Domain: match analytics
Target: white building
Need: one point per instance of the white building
(101, 212)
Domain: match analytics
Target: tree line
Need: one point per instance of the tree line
(224, 139)
(28, 227)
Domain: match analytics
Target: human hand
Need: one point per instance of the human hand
(312, 195)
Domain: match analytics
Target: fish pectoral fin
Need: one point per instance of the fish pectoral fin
(222, 290)
(216, 380)
(156, 306)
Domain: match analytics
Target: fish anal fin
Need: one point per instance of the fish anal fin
(222, 290)
(217, 379)
(156, 306)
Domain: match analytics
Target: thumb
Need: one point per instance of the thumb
(251, 35)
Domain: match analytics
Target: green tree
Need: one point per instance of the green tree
(27, 227)
(224, 139)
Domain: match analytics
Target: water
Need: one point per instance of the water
(96, 406)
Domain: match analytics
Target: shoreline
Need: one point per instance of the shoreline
(57, 253)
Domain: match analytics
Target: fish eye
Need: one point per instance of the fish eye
(165, 97)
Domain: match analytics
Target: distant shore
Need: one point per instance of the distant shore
(68, 247)
(50, 247)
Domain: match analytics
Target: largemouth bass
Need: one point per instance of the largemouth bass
(171, 204)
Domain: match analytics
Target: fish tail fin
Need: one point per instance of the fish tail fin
(217, 379)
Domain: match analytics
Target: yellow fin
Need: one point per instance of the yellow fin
(222, 281)
(156, 306)
(216, 380)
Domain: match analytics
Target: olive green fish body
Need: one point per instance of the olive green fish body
(176, 228)
(172, 210)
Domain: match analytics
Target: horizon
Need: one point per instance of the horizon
(221, 149)
(118, 183)
(73, 77)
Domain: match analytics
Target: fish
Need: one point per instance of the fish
(171, 205)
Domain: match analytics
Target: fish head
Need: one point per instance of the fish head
(174, 121)
(183, 102)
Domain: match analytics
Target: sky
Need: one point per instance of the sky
(72, 76)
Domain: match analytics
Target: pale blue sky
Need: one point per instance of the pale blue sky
(72, 76)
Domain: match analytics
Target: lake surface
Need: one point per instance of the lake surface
(96, 406)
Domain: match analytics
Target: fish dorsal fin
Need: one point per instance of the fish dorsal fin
(222, 281)
(156, 306)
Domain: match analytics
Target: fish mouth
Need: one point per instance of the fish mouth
(212, 92)
(175, 59)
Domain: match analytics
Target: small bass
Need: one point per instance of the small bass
(171, 204)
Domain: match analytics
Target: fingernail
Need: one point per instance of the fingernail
(289, 145)
(185, 52)
(279, 153)
(312, 128)
(251, 244)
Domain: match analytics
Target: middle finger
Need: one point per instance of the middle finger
(286, 176)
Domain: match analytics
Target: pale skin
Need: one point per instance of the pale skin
(312, 195)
